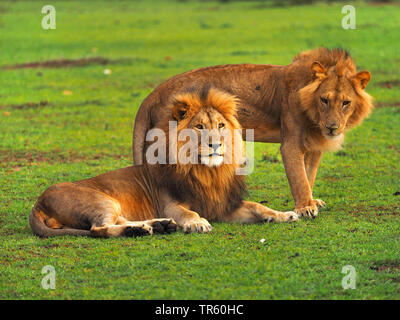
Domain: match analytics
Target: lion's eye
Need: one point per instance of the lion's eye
(346, 103)
(324, 100)
(199, 126)
(221, 125)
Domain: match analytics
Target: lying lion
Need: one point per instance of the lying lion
(142, 200)
(307, 106)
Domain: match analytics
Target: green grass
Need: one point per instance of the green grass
(77, 136)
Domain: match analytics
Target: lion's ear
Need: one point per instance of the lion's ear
(179, 111)
(318, 70)
(362, 78)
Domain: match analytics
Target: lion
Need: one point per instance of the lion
(306, 106)
(162, 197)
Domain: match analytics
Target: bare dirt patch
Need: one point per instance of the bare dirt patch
(61, 63)
(389, 84)
(373, 211)
(26, 105)
(394, 148)
(23, 158)
(386, 266)
(46, 103)
(383, 3)
(387, 104)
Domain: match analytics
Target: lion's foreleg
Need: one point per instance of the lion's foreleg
(293, 160)
(312, 160)
(253, 212)
(188, 220)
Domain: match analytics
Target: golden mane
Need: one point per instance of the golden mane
(363, 109)
(339, 58)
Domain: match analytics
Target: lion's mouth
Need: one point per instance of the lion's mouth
(333, 135)
(330, 133)
(213, 160)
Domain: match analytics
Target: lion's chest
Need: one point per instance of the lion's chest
(213, 201)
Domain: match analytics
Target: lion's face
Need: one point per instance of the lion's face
(335, 104)
(206, 128)
(211, 128)
(335, 99)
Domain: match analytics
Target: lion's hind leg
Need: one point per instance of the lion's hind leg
(134, 228)
(163, 225)
(252, 212)
(68, 206)
(131, 229)
(112, 224)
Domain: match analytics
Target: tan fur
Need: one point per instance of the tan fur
(283, 105)
(141, 200)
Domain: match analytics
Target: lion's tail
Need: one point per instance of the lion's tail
(40, 228)
(142, 125)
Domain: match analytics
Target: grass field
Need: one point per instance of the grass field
(70, 123)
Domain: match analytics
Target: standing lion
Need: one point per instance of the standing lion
(307, 106)
(141, 200)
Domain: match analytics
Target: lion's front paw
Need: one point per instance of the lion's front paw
(307, 211)
(319, 203)
(283, 217)
(197, 225)
(287, 216)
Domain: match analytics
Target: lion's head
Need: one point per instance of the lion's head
(335, 100)
(206, 127)
(207, 150)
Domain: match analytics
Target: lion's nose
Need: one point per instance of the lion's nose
(332, 126)
(215, 146)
